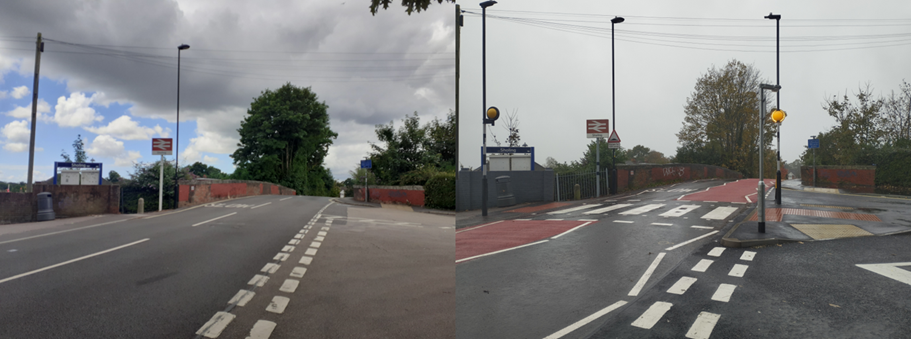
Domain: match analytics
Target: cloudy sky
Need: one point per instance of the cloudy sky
(551, 61)
(109, 73)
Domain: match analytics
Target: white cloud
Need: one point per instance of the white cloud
(17, 135)
(75, 111)
(19, 92)
(105, 146)
(164, 133)
(125, 128)
(2, 94)
(209, 159)
(25, 112)
(128, 159)
(209, 139)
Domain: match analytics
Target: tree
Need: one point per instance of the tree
(655, 157)
(114, 177)
(441, 141)
(206, 171)
(721, 127)
(79, 149)
(65, 156)
(403, 152)
(284, 139)
(410, 5)
(143, 183)
(896, 117)
(638, 153)
(511, 124)
(856, 133)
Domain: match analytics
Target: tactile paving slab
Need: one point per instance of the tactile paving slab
(831, 231)
(828, 206)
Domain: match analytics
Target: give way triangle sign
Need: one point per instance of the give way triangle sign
(890, 270)
(614, 138)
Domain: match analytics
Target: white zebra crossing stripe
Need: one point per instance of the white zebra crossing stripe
(702, 265)
(724, 292)
(642, 209)
(738, 270)
(652, 315)
(608, 209)
(748, 255)
(702, 327)
(716, 252)
(719, 213)
(577, 208)
(679, 211)
(681, 285)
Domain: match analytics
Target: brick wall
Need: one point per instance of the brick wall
(195, 192)
(632, 177)
(407, 195)
(68, 202)
(17, 207)
(860, 179)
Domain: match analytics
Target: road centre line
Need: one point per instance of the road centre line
(650, 317)
(661, 224)
(258, 206)
(500, 251)
(570, 230)
(213, 327)
(71, 261)
(648, 273)
(702, 327)
(568, 329)
(285, 199)
(624, 221)
(242, 297)
(213, 219)
(703, 227)
(64, 231)
(689, 241)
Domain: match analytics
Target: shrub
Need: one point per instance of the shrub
(439, 191)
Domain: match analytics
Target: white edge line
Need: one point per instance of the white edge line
(213, 219)
(477, 227)
(258, 206)
(689, 241)
(72, 261)
(570, 230)
(501, 251)
(648, 273)
(586, 320)
(64, 231)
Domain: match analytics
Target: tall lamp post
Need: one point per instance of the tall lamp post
(177, 139)
(485, 120)
(761, 189)
(613, 116)
(777, 18)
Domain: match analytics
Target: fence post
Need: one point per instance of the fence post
(558, 185)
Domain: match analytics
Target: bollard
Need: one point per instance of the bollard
(341, 194)
(577, 192)
(141, 208)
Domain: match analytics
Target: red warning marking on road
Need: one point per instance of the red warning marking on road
(737, 191)
(508, 234)
(775, 214)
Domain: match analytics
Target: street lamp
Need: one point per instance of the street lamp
(177, 139)
(485, 119)
(613, 116)
(777, 18)
(777, 117)
(761, 189)
(814, 161)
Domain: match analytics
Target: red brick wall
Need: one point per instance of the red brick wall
(17, 207)
(406, 195)
(861, 179)
(632, 177)
(202, 192)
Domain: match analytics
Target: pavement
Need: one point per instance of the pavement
(419, 209)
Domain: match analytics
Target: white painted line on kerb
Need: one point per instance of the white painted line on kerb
(703, 227)
(716, 252)
(270, 268)
(648, 273)
(213, 219)
(573, 209)
(258, 280)
(661, 224)
(310, 251)
(623, 221)
(315, 244)
(242, 297)
(282, 256)
(724, 292)
(298, 272)
(289, 286)
(681, 285)
(748, 255)
(607, 209)
(64, 231)
(702, 327)
(278, 304)
(738, 270)
(689, 241)
(262, 329)
(570, 230)
(258, 206)
(306, 260)
(213, 327)
(652, 315)
(586, 320)
(285, 199)
(702, 265)
(501, 251)
(70, 261)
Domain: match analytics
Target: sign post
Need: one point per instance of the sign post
(162, 147)
(366, 164)
(597, 128)
(813, 144)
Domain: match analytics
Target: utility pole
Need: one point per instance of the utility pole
(39, 47)
(458, 34)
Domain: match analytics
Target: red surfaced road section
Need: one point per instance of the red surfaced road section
(737, 191)
(508, 234)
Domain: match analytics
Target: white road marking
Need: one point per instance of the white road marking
(608, 209)
(716, 252)
(719, 213)
(703, 227)
(262, 329)
(652, 315)
(724, 292)
(570, 230)
(738, 270)
(285, 199)
(289, 286)
(298, 236)
(213, 327)
(573, 209)
(258, 206)
(298, 272)
(748, 255)
(642, 209)
(258, 280)
(64, 231)
(477, 227)
(213, 219)
(288, 248)
(648, 273)
(624, 221)
(500, 251)
(889, 270)
(306, 260)
(281, 256)
(702, 327)
(321, 233)
(310, 252)
(681, 285)
(278, 304)
(554, 219)
(661, 224)
(302, 231)
(522, 219)
(319, 239)
(294, 242)
(586, 320)
(70, 261)
(315, 244)
(702, 265)
(634, 200)
(689, 241)
(679, 211)
(270, 268)
(242, 297)
(325, 228)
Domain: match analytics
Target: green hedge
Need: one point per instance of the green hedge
(439, 191)
(892, 169)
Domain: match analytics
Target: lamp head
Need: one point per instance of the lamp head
(773, 88)
(617, 20)
(773, 16)
(183, 47)
(486, 4)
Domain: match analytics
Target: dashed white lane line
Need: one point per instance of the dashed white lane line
(321, 233)
(719, 213)
(270, 268)
(716, 252)
(213, 327)
(258, 206)
(298, 236)
(501, 251)
(689, 241)
(213, 219)
(738, 270)
(294, 242)
(289, 286)
(661, 224)
(703, 227)
(325, 228)
(652, 315)
(303, 231)
(648, 273)
(298, 272)
(306, 260)
(681, 285)
(288, 248)
(624, 221)
(70, 261)
(586, 320)
(315, 244)
(278, 304)
(679, 211)
(258, 280)
(570, 230)
(642, 209)
(242, 297)
(319, 239)
(702, 327)
(262, 329)
(310, 252)
(573, 209)
(607, 209)
(748, 255)
(282, 256)
(285, 199)
(702, 265)
(724, 292)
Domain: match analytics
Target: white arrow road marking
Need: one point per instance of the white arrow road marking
(889, 270)
(652, 315)
(702, 327)
(70, 261)
(587, 320)
(648, 273)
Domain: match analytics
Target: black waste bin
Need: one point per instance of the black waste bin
(504, 192)
(45, 207)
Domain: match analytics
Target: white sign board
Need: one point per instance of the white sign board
(90, 177)
(69, 178)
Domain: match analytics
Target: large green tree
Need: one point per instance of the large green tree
(284, 139)
(410, 5)
(402, 151)
(203, 170)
